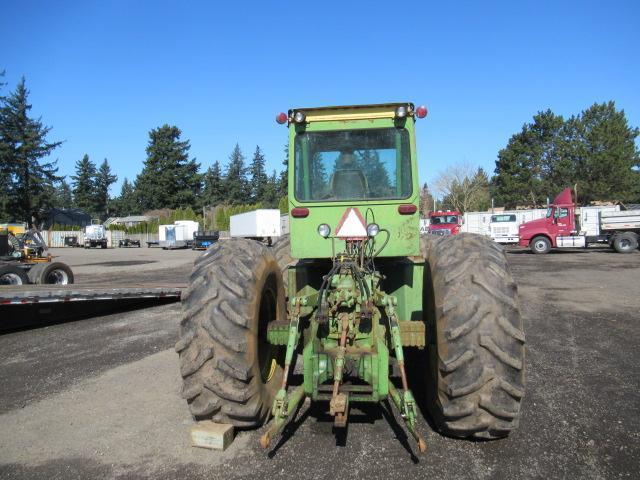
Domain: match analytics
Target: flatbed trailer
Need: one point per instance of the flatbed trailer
(39, 294)
(38, 305)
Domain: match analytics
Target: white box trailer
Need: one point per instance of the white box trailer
(482, 224)
(178, 235)
(259, 224)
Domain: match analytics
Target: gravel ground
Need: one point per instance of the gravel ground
(99, 397)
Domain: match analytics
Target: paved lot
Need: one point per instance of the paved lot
(99, 397)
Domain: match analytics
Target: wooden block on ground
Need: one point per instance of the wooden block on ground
(207, 434)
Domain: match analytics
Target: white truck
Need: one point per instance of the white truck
(261, 224)
(178, 235)
(95, 236)
(503, 228)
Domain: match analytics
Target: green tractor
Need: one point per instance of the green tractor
(356, 292)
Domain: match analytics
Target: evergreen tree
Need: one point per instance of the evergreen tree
(63, 196)
(595, 150)
(605, 155)
(525, 166)
(235, 183)
(103, 180)
(426, 201)
(214, 192)
(375, 173)
(84, 185)
(284, 174)
(5, 166)
(258, 176)
(26, 179)
(126, 203)
(481, 200)
(271, 195)
(169, 179)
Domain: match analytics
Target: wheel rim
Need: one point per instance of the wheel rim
(10, 278)
(540, 245)
(268, 354)
(57, 277)
(624, 243)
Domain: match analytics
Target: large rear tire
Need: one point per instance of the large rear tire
(230, 372)
(282, 251)
(475, 337)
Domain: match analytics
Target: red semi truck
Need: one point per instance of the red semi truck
(445, 222)
(569, 226)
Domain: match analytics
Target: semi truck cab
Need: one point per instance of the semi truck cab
(445, 222)
(567, 226)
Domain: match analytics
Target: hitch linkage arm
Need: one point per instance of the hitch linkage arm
(285, 405)
(404, 402)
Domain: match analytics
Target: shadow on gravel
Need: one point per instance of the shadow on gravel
(24, 317)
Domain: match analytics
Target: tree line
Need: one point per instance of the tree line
(594, 151)
(170, 179)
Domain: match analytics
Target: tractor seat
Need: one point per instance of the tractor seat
(348, 184)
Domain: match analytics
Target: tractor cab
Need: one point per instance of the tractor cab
(359, 161)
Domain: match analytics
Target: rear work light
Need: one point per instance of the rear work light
(299, 212)
(407, 209)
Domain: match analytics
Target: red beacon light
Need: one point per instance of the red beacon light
(282, 118)
(421, 111)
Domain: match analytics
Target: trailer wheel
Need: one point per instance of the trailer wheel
(475, 337)
(13, 275)
(230, 372)
(625, 242)
(56, 273)
(540, 245)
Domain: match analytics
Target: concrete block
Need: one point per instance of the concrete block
(215, 436)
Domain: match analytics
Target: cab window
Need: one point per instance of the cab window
(367, 164)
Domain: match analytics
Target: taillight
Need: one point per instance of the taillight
(421, 111)
(407, 209)
(299, 212)
(282, 118)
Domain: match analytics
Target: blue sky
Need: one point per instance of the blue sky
(103, 74)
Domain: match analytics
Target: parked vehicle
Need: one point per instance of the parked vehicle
(203, 240)
(569, 226)
(178, 235)
(127, 242)
(261, 224)
(24, 259)
(71, 241)
(445, 222)
(95, 236)
(348, 292)
(504, 228)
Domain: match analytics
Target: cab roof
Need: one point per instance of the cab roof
(351, 112)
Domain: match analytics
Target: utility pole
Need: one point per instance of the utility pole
(204, 217)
